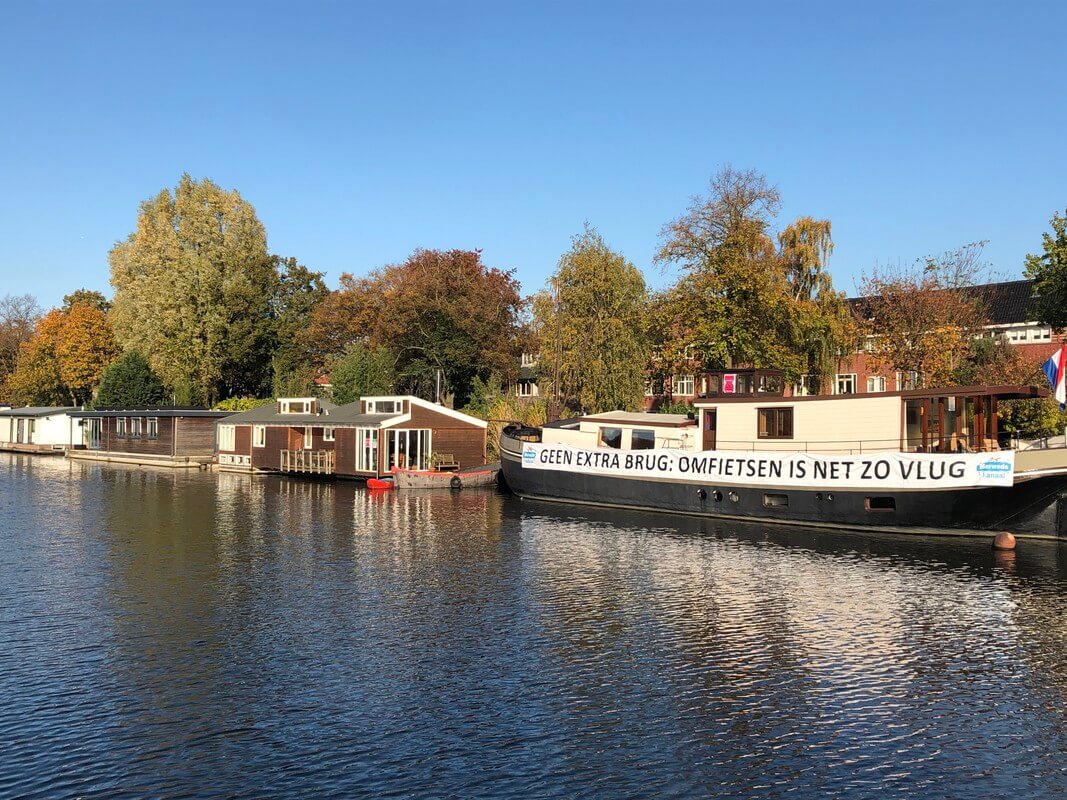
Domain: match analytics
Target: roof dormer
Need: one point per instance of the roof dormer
(298, 405)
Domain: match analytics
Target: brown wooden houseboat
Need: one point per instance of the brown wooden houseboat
(364, 439)
(163, 436)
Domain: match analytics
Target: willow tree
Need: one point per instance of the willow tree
(193, 290)
(590, 327)
(824, 328)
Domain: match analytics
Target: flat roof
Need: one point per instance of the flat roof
(36, 411)
(152, 412)
(642, 418)
(1000, 392)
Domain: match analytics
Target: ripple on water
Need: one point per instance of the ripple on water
(196, 635)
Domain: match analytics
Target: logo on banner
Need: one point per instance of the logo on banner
(729, 383)
(529, 457)
(994, 468)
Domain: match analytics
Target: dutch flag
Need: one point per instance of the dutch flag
(1055, 368)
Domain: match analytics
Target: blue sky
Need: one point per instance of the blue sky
(363, 131)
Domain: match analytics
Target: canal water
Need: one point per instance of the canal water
(172, 635)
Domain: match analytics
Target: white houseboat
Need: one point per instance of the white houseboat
(38, 429)
(912, 459)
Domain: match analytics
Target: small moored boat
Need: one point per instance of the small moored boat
(444, 479)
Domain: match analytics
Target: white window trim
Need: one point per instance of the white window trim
(308, 437)
(228, 437)
(873, 381)
(327, 435)
(259, 435)
(680, 383)
(837, 382)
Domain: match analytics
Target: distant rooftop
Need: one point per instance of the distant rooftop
(1005, 303)
(641, 418)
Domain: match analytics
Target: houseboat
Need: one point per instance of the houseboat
(155, 436)
(38, 429)
(929, 459)
(368, 438)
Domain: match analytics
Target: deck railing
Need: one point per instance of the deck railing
(955, 444)
(319, 462)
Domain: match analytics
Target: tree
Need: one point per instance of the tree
(440, 312)
(84, 346)
(130, 383)
(363, 371)
(299, 291)
(922, 319)
(740, 299)
(18, 318)
(193, 291)
(66, 356)
(86, 297)
(591, 328)
(1049, 273)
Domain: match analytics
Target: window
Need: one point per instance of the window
(1042, 334)
(881, 504)
(907, 380)
(808, 385)
(409, 449)
(775, 423)
(367, 449)
(526, 389)
(683, 386)
(650, 389)
(153, 427)
(876, 384)
(227, 438)
(776, 501)
(611, 437)
(529, 359)
(327, 435)
(643, 440)
(135, 428)
(120, 427)
(301, 406)
(845, 384)
(383, 406)
(259, 435)
(1017, 335)
(307, 437)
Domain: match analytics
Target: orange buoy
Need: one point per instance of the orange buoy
(1003, 541)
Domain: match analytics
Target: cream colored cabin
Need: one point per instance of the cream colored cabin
(748, 410)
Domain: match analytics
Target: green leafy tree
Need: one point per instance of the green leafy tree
(590, 326)
(363, 371)
(1049, 273)
(130, 382)
(236, 404)
(86, 297)
(299, 291)
(193, 287)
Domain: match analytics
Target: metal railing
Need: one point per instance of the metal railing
(320, 462)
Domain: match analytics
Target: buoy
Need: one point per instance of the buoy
(1003, 541)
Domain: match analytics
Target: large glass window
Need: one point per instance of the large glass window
(611, 437)
(227, 438)
(409, 449)
(643, 440)
(775, 423)
(367, 449)
(683, 386)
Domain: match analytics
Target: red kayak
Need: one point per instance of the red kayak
(376, 483)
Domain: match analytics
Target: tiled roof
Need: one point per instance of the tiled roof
(331, 415)
(1005, 303)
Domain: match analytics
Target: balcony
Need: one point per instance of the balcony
(315, 462)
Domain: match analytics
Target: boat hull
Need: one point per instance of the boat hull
(432, 479)
(1037, 506)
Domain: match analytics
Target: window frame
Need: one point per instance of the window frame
(679, 383)
(120, 427)
(881, 378)
(850, 376)
(600, 437)
(328, 434)
(136, 429)
(259, 435)
(777, 412)
(644, 432)
(152, 427)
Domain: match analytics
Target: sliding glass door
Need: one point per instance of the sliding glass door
(409, 449)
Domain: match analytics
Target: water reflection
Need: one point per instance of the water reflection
(172, 633)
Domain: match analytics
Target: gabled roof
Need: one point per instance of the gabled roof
(36, 411)
(1004, 303)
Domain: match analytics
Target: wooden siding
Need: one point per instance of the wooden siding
(194, 436)
(160, 446)
(278, 438)
(465, 441)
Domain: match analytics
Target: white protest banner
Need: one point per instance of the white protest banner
(756, 468)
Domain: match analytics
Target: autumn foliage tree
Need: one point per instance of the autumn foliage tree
(921, 319)
(18, 319)
(439, 311)
(66, 356)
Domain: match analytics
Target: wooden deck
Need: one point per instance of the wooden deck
(316, 462)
